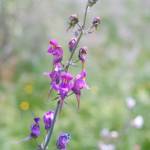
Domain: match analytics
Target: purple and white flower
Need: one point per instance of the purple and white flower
(79, 84)
(62, 141)
(48, 119)
(72, 44)
(35, 128)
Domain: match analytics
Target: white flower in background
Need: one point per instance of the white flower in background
(103, 146)
(137, 122)
(130, 102)
(105, 133)
(114, 134)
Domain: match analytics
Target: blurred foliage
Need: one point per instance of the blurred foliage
(118, 66)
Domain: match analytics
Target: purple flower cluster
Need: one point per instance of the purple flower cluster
(63, 81)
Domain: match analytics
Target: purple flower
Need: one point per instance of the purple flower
(66, 77)
(83, 54)
(79, 84)
(65, 85)
(55, 79)
(55, 76)
(56, 51)
(62, 141)
(48, 119)
(35, 128)
(72, 44)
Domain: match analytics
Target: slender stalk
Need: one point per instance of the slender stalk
(49, 134)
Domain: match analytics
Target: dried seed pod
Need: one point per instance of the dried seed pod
(96, 22)
(73, 20)
(92, 2)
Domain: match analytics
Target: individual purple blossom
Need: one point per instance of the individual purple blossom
(55, 79)
(79, 84)
(62, 141)
(65, 85)
(61, 83)
(55, 76)
(56, 51)
(35, 128)
(72, 44)
(48, 119)
(83, 54)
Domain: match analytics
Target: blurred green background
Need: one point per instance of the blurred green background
(118, 66)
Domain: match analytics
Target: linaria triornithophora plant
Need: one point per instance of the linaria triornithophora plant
(61, 79)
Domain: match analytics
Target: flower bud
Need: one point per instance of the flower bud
(92, 2)
(48, 119)
(72, 44)
(83, 53)
(96, 22)
(73, 20)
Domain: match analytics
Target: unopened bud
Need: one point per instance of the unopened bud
(96, 22)
(83, 53)
(73, 20)
(72, 44)
(92, 2)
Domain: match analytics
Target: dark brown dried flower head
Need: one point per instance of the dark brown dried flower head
(92, 2)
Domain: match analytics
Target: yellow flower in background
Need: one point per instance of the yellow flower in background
(24, 105)
(28, 88)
